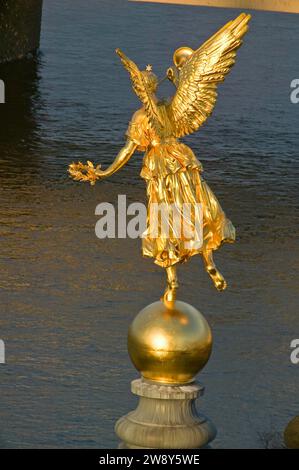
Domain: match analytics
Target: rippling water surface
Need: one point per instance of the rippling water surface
(67, 298)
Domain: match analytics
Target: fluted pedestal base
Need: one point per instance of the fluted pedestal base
(165, 418)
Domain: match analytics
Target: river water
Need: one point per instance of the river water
(67, 298)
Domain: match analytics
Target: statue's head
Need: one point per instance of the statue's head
(150, 78)
(181, 55)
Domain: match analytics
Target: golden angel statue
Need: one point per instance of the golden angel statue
(172, 172)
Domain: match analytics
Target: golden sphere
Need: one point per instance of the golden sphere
(169, 346)
(181, 55)
(291, 434)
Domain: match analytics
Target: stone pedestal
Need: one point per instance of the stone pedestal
(165, 418)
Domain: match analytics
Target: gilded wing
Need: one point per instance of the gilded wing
(208, 66)
(141, 90)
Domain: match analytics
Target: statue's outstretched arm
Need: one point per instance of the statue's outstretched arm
(88, 172)
(122, 158)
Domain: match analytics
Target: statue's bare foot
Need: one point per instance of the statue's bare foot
(216, 276)
(169, 296)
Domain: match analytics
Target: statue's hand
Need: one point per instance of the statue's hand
(170, 74)
(80, 172)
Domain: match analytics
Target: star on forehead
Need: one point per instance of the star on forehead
(149, 68)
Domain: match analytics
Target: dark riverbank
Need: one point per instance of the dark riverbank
(20, 25)
(288, 6)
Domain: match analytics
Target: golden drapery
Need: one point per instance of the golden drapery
(173, 177)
